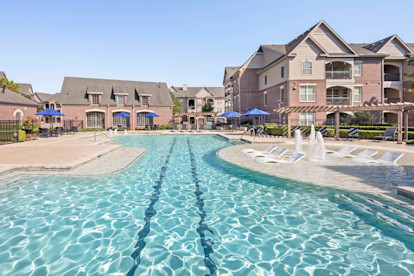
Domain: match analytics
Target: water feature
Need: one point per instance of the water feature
(320, 149)
(115, 132)
(195, 214)
(311, 154)
(110, 133)
(298, 140)
(125, 132)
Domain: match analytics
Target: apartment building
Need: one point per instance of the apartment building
(97, 101)
(228, 87)
(319, 68)
(194, 98)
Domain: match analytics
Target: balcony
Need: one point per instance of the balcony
(338, 100)
(338, 75)
(392, 100)
(391, 76)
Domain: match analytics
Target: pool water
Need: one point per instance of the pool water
(180, 210)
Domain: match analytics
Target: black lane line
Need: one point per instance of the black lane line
(207, 243)
(149, 213)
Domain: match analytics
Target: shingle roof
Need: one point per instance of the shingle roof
(25, 88)
(192, 91)
(10, 97)
(230, 70)
(45, 97)
(74, 91)
(374, 47)
(292, 45)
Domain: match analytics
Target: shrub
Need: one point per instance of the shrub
(276, 131)
(91, 129)
(410, 142)
(165, 126)
(22, 135)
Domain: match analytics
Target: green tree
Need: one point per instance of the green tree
(178, 105)
(40, 108)
(208, 107)
(358, 119)
(411, 76)
(9, 85)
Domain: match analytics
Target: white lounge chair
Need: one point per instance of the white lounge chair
(343, 151)
(291, 160)
(389, 157)
(365, 154)
(269, 149)
(277, 154)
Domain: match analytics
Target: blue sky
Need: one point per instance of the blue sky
(171, 41)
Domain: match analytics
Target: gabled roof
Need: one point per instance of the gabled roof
(378, 45)
(10, 97)
(229, 72)
(74, 91)
(192, 92)
(45, 97)
(26, 88)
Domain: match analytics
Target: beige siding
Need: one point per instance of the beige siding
(393, 48)
(307, 51)
(273, 75)
(329, 41)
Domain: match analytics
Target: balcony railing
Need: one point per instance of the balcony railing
(392, 76)
(338, 100)
(191, 107)
(338, 75)
(392, 100)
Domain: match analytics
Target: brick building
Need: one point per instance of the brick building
(16, 107)
(97, 101)
(320, 68)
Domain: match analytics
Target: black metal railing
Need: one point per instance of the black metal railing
(9, 130)
(338, 75)
(72, 125)
(392, 76)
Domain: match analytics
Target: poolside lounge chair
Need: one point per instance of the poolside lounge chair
(174, 128)
(353, 133)
(389, 134)
(192, 128)
(294, 158)
(277, 153)
(343, 152)
(389, 157)
(263, 157)
(323, 131)
(365, 154)
(269, 149)
(184, 127)
(201, 128)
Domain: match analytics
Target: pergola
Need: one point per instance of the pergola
(401, 108)
(197, 115)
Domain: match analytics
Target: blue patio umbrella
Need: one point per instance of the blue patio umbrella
(123, 114)
(50, 112)
(152, 114)
(256, 112)
(232, 114)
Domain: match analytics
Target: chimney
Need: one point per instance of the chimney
(184, 87)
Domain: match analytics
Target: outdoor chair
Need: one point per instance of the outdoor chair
(44, 132)
(174, 128)
(294, 158)
(323, 131)
(201, 128)
(343, 151)
(193, 128)
(184, 127)
(269, 149)
(389, 157)
(73, 129)
(353, 133)
(389, 134)
(262, 158)
(365, 154)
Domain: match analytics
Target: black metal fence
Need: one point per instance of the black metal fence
(72, 124)
(9, 130)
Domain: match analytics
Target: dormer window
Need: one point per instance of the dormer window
(95, 99)
(121, 99)
(145, 100)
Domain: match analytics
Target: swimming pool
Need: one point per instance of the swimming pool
(181, 210)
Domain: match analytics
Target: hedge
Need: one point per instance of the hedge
(22, 135)
(410, 142)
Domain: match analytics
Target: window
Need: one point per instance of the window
(95, 99)
(282, 72)
(144, 100)
(219, 110)
(358, 94)
(219, 101)
(119, 121)
(265, 79)
(332, 93)
(95, 120)
(358, 69)
(345, 93)
(307, 68)
(306, 119)
(121, 100)
(282, 95)
(307, 94)
(199, 109)
(200, 101)
(265, 98)
(143, 121)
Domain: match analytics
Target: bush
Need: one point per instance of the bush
(410, 142)
(165, 126)
(91, 129)
(22, 135)
(275, 131)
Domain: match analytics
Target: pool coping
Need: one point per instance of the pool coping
(381, 195)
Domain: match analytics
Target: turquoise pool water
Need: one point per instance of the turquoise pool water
(180, 210)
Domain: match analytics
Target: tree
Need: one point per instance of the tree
(9, 85)
(208, 107)
(40, 108)
(411, 76)
(178, 105)
(358, 119)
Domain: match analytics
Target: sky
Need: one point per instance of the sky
(171, 41)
